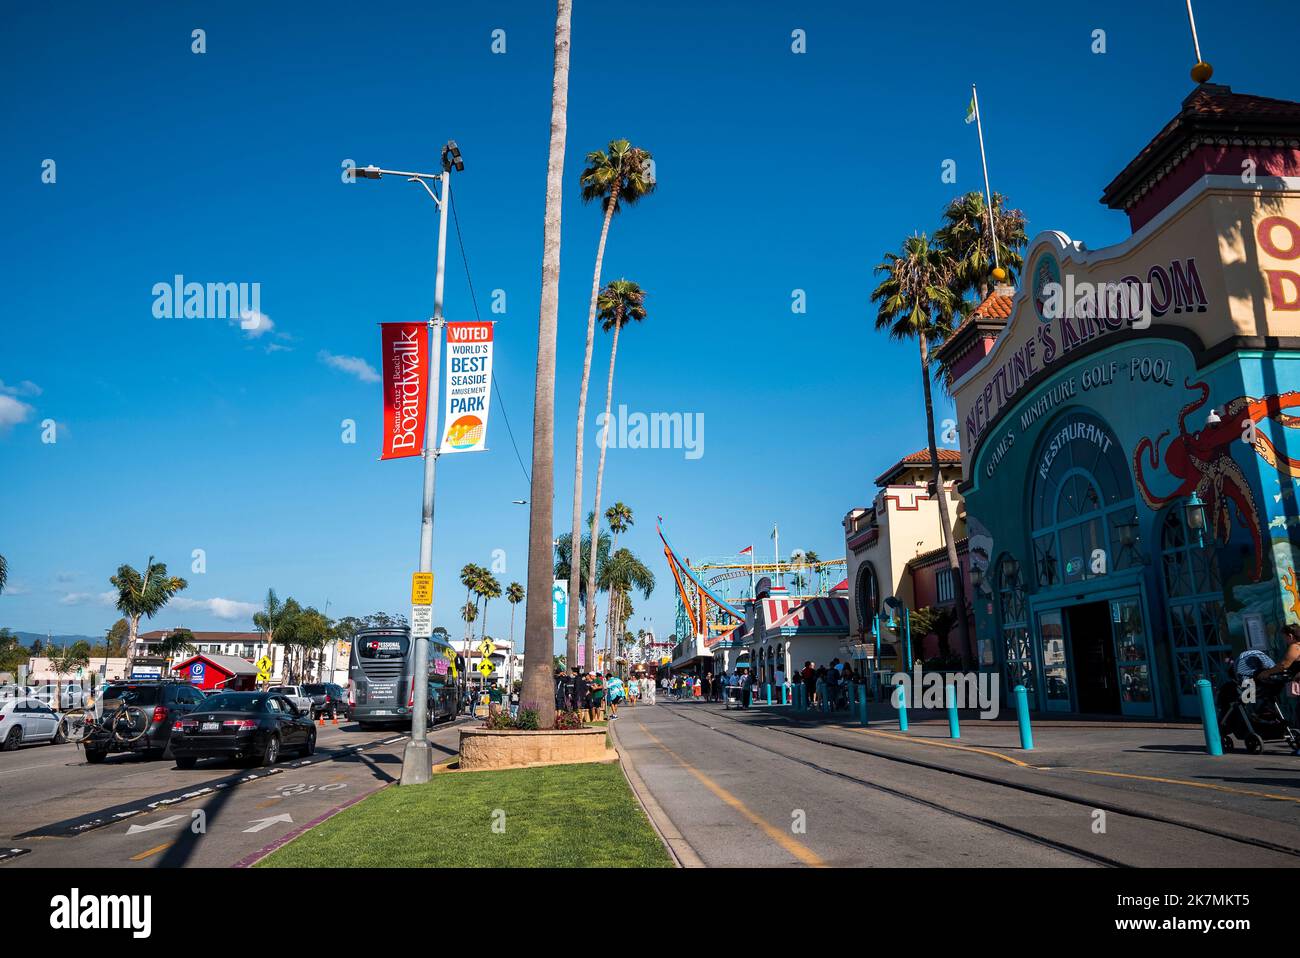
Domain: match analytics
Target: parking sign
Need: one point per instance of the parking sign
(196, 673)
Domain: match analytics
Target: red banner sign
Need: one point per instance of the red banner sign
(405, 370)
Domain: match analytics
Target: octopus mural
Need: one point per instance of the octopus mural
(1202, 462)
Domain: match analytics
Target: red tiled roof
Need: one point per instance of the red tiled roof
(159, 634)
(1213, 109)
(995, 308)
(919, 458)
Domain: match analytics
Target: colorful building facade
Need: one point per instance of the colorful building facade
(1126, 431)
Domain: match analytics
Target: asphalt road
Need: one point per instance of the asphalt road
(739, 792)
(58, 810)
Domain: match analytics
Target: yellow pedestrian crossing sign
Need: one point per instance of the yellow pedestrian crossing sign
(486, 667)
(264, 666)
(486, 648)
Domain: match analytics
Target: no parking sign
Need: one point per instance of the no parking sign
(197, 671)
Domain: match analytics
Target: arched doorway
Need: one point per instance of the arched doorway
(1092, 641)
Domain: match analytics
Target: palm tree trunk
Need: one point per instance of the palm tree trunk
(539, 692)
(958, 585)
(571, 633)
(600, 475)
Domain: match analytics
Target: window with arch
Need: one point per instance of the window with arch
(866, 596)
(1082, 506)
(1194, 601)
(1013, 621)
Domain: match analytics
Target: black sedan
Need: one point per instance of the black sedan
(242, 725)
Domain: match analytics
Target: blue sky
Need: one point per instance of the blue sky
(777, 172)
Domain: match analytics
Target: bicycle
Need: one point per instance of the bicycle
(126, 723)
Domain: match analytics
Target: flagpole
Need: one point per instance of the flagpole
(1201, 71)
(988, 194)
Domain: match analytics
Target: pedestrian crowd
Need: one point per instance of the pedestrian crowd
(596, 697)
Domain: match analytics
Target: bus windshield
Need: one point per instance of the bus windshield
(384, 647)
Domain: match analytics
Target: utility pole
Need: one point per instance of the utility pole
(417, 759)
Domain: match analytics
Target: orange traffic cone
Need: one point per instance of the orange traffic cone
(322, 719)
(335, 717)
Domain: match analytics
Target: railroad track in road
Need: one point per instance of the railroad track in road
(1022, 788)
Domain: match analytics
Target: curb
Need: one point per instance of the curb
(683, 855)
(248, 861)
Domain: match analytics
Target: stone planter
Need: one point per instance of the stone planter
(482, 748)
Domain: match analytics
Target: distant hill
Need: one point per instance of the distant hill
(27, 638)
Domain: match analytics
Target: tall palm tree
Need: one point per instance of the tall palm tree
(489, 589)
(623, 574)
(587, 591)
(538, 692)
(621, 302)
(619, 518)
(143, 595)
(4, 573)
(916, 300)
(514, 595)
(617, 178)
(966, 239)
(268, 618)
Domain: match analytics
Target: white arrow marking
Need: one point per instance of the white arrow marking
(161, 823)
(261, 823)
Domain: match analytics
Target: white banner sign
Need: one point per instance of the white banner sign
(469, 387)
(421, 621)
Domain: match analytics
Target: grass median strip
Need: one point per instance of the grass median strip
(560, 816)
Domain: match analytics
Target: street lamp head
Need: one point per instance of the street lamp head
(370, 172)
(451, 157)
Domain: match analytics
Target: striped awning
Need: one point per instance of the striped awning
(826, 614)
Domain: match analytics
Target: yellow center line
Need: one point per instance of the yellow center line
(1179, 781)
(961, 748)
(153, 851)
(788, 842)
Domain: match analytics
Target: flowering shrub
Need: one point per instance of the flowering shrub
(566, 721)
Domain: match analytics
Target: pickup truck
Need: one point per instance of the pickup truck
(295, 694)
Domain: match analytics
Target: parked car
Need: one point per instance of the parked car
(160, 701)
(28, 720)
(328, 699)
(243, 725)
(295, 694)
(73, 696)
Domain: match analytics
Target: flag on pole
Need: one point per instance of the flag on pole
(970, 110)
(747, 550)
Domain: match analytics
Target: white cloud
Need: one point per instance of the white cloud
(24, 388)
(228, 609)
(108, 599)
(12, 412)
(354, 365)
(253, 323)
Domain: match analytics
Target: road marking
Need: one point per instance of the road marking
(789, 843)
(161, 823)
(153, 851)
(960, 748)
(261, 823)
(28, 768)
(1179, 781)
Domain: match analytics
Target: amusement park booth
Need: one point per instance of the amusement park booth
(1130, 471)
(792, 630)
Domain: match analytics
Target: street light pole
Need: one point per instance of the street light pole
(417, 759)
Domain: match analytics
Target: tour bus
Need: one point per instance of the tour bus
(381, 683)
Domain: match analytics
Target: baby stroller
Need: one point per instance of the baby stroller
(1259, 721)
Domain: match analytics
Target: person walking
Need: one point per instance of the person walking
(821, 688)
(808, 675)
(614, 694)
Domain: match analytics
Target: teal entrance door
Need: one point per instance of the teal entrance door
(1132, 656)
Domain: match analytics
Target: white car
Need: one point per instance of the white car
(27, 720)
(295, 694)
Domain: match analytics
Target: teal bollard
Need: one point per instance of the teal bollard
(900, 702)
(950, 700)
(862, 704)
(1209, 718)
(784, 690)
(768, 686)
(1022, 713)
